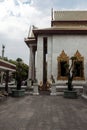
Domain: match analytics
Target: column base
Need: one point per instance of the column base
(29, 83)
(53, 89)
(84, 96)
(35, 91)
(53, 94)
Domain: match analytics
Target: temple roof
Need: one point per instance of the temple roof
(4, 65)
(70, 15)
(31, 34)
(63, 22)
(61, 30)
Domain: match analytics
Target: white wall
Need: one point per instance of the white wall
(56, 43)
(70, 44)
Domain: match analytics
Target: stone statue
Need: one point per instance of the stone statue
(70, 74)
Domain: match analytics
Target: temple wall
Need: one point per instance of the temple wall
(70, 44)
(55, 45)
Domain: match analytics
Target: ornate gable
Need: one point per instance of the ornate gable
(78, 56)
(63, 56)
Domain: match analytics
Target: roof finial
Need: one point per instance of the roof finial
(52, 13)
(3, 47)
(29, 31)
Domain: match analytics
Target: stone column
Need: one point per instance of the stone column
(30, 68)
(49, 56)
(6, 80)
(31, 73)
(39, 73)
(2, 73)
(30, 63)
(33, 64)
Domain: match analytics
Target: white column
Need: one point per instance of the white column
(33, 64)
(30, 64)
(2, 73)
(31, 72)
(49, 58)
(39, 73)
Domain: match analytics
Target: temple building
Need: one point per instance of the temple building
(51, 48)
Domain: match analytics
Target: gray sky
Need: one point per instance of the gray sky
(16, 16)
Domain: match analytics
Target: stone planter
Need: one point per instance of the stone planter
(18, 93)
(70, 94)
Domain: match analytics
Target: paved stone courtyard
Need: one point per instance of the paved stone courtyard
(43, 112)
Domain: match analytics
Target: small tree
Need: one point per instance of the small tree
(18, 73)
(21, 72)
(70, 73)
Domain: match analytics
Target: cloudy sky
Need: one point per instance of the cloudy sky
(16, 16)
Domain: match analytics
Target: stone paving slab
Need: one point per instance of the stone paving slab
(43, 112)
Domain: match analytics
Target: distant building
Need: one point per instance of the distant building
(66, 37)
(6, 67)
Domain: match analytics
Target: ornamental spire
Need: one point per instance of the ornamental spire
(52, 14)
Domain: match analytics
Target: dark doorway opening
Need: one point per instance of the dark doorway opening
(44, 60)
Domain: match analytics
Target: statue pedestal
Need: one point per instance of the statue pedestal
(53, 89)
(35, 89)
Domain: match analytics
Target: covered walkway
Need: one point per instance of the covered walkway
(6, 67)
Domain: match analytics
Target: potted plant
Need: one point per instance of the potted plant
(18, 91)
(70, 92)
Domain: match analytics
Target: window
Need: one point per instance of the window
(78, 68)
(62, 68)
(63, 59)
(78, 65)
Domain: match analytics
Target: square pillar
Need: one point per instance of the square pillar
(49, 57)
(30, 63)
(6, 80)
(33, 64)
(39, 71)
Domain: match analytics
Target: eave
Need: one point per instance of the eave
(6, 66)
(30, 41)
(61, 30)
